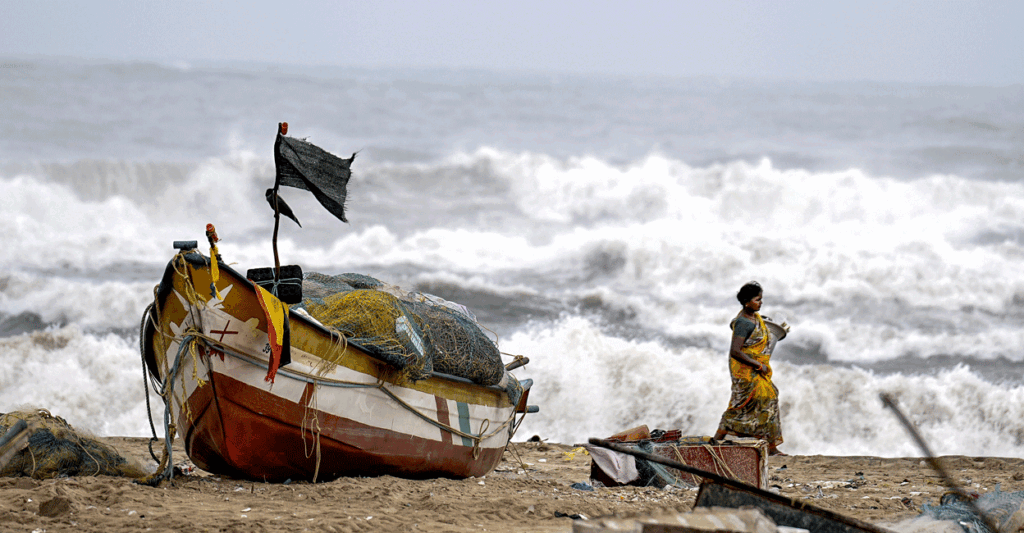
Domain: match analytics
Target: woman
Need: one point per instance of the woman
(754, 406)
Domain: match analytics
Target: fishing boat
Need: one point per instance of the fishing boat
(259, 388)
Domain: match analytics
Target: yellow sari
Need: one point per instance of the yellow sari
(754, 405)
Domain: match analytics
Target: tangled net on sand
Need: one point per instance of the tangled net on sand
(55, 449)
(1004, 509)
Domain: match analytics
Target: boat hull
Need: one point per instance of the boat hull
(334, 410)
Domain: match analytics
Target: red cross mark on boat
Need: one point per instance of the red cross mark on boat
(223, 332)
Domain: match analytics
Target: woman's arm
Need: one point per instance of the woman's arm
(736, 352)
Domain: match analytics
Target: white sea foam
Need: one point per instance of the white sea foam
(92, 381)
(51, 225)
(658, 239)
(815, 235)
(89, 304)
(588, 384)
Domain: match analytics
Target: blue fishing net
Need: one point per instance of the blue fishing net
(55, 449)
(1003, 508)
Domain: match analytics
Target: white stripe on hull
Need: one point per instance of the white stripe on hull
(365, 405)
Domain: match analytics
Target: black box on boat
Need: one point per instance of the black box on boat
(288, 289)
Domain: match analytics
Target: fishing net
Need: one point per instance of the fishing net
(654, 474)
(1004, 508)
(415, 332)
(55, 449)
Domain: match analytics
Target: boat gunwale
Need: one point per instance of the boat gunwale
(197, 259)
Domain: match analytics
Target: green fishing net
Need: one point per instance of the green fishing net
(55, 449)
(415, 332)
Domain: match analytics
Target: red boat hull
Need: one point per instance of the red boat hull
(234, 434)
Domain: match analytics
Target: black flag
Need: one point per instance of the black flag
(305, 166)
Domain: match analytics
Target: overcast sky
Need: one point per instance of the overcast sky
(931, 41)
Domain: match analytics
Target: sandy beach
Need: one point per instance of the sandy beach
(529, 491)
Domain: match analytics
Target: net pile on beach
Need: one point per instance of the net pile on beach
(55, 449)
(415, 332)
(1004, 508)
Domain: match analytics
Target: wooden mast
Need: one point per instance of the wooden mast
(282, 129)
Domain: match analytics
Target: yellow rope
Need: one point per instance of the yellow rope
(496, 339)
(315, 421)
(148, 480)
(484, 424)
(334, 357)
(195, 366)
(214, 272)
(193, 298)
(719, 461)
(33, 456)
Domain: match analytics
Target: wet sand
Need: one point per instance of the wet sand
(527, 492)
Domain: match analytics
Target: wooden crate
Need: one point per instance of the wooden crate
(744, 460)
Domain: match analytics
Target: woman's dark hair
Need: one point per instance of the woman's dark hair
(748, 292)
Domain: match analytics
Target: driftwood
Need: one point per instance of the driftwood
(15, 440)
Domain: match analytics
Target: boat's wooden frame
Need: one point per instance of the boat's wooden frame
(333, 410)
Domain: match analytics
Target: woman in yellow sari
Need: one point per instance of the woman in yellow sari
(754, 405)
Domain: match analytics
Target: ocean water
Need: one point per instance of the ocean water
(599, 226)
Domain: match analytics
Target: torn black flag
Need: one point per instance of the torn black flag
(303, 165)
